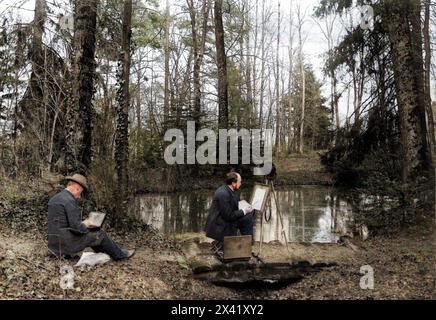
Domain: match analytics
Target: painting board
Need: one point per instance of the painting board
(259, 196)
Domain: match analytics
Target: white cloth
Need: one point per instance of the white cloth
(92, 258)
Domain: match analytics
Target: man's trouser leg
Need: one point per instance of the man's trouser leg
(245, 225)
(101, 242)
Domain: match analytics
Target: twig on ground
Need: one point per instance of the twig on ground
(35, 264)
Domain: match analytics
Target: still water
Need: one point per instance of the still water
(309, 214)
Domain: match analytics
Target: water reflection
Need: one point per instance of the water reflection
(309, 214)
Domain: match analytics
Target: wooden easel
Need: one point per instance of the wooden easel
(272, 191)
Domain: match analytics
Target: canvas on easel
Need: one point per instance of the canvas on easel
(259, 196)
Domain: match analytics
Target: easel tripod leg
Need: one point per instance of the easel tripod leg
(280, 215)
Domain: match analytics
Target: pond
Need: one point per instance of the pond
(309, 214)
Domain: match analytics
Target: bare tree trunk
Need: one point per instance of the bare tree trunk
(30, 109)
(79, 114)
(239, 112)
(254, 90)
(283, 128)
(122, 129)
(167, 65)
(347, 121)
(186, 87)
(404, 29)
(150, 118)
(328, 31)
(223, 104)
(303, 80)
(19, 59)
(37, 60)
(427, 71)
(278, 105)
(250, 98)
(262, 68)
(138, 109)
(358, 83)
(270, 100)
(335, 98)
(198, 51)
(291, 62)
(248, 67)
(303, 105)
(106, 148)
(197, 66)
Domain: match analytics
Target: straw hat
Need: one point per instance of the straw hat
(79, 179)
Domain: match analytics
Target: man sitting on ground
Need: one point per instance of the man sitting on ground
(68, 234)
(225, 219)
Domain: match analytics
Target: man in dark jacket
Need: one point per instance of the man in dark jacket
(224, 217)
(68, 234)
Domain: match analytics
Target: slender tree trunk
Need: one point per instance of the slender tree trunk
(283, 128)
(271, 94)
(223, 104)
(122, 129)
(291, 62)
(347, 121)
(250, 99)
(303, 79)
(150, 118)
(19, 59)
(106, 148)
(328, 32)
(278, 105)
(247, 66)
(167, 65)
(254, 90)
(198, 51)
(358, 82)
(303, 98)
(240, 111)
(138, 110)
(35, 105)
(303, 105)
(427, 71)
(186, 88)
(335, 98)
(262, 68)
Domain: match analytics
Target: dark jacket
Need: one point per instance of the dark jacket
(223, 214)
(65, 228)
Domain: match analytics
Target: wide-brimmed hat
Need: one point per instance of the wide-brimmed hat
(79, 179)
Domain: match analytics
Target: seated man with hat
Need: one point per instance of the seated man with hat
(68, 234)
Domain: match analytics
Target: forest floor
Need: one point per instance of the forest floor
(404, 263)
(404, 268)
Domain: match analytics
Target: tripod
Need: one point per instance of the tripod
(279, 214)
